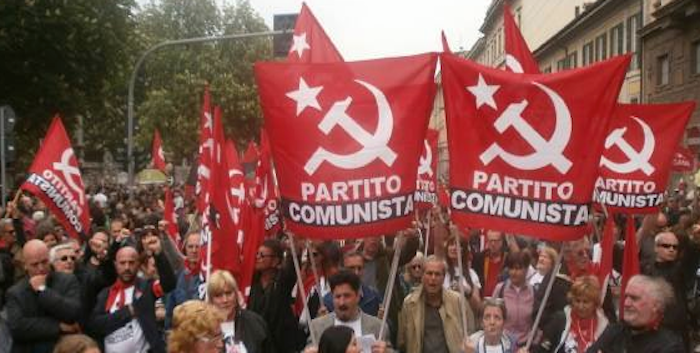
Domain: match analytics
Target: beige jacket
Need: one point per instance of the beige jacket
(412, 319)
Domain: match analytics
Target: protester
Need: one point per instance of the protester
(369, 298)
(519, 296)
(125, 313)
(196, 329)
(546, 258)
(430, 319)
(62, 258)
(646, 299)
(345, 286)
(243, 330)
(76, 344)
(412, 275)
(43, 306)
(470, 279)
(489, 263)
(580, 323)
(188, 280)
(493, 337)
(337, 339)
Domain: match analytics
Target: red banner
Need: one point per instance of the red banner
(519, 59)
(310, 43)
(170, 216)
(206, 146)
(426, 188)
(157, 157)
(684, 160)
(54, 177)
(638, 155)
(524, 149)
(344, 169)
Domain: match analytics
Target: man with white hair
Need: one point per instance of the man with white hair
(62, 258)
(646, 300)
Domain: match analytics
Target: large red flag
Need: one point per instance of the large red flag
(519, 59)
(157, 157)
(206, 147)
(426, 193)
(171, 217)
(344, 168)
(310, 41)
(638, 155)
(54, 177)
(527, 146)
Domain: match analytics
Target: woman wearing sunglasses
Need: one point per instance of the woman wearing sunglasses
(493, 338)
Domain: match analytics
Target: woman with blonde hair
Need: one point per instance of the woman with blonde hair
(581, 322)
(76, 344)
(196, 329)
(243, 330)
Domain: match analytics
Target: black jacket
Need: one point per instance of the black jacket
(676, 315)
(252, 331)
(618, 338)
(34, 317)
(102, 323)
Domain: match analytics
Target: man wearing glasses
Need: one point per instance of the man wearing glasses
(63, 258)
(668, 266)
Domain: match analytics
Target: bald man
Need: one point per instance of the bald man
(124, 315)
(44, 305)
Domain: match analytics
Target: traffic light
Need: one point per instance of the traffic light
(282, 42)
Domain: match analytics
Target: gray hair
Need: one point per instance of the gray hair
(657, 237)
(53, 253)
(655, 287)
(5, 221)
(436, 259)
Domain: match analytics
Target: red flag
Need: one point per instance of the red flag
(445, 45)
(254, 236)
(206, 147)
(344, 168)
(310, 42)
(251, 154)
(630, 265)
(54, 177)
(426, 193)
(157, 158)
(528, 150)
(638, 155)
(683, 160)
(443, 195)
(171, 217)
(519, 59)
(266, 195)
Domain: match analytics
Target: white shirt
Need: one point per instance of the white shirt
(355, 325)
(129, 338)
(232, 346)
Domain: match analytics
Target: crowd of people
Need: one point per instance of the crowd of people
(128, 287)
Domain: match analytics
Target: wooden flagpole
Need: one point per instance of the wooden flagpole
(398, 244)
(300, 286)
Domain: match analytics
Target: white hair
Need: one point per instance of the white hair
(657, 288)
(53, 253)
(657, 237)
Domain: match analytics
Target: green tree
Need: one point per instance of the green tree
(169, 90)
(66, 57)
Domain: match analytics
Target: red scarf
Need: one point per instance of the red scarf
(583, 331)
(192, 270)
(118, 289)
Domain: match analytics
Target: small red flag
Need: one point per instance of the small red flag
(519, 59)
(684, 160)
(445, 45)
(157, 157)
(310, 41)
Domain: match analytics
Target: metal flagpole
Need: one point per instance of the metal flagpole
(398, 244)
(547, 292)
(300, 286)
(460, 274)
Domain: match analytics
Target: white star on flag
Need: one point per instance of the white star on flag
(299, 44)
(305, 96)
(484, 93)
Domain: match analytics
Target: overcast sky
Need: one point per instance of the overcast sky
(365, 29)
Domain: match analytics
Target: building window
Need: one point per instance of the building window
(633, 40)
(601, 47)
(572, 60)
(562, 65)
(663, 70)
(587, 54)
(696, 57)
(616, 40)
(547, 70)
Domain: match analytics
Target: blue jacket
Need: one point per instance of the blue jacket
(369, 301)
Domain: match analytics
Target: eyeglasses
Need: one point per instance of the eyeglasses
(66, 258)
(212, 339)
(668, 246)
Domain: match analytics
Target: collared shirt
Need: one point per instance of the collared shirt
(519, 305)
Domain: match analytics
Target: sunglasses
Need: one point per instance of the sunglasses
(66, 258)
(668, 246)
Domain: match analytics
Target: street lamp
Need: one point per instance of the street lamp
(132, 83)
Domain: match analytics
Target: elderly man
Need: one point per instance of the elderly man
(430, 320)
(62, 258)
(646, 299)
(125, 312)
(43, 306)
(345, 286)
